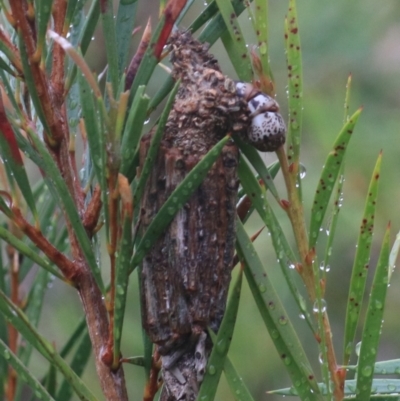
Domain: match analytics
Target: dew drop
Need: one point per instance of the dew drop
(6, 354)
(302, 171)
(303, 304)
(262, 288)
(357, 349)
(366, 371)
(283, 320)
(287, 361)
(275, 334)
(221, 346)
(295, 125)
(319, 306)
(263, 48)
(212, 370)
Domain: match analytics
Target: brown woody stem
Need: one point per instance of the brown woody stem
(50, 91)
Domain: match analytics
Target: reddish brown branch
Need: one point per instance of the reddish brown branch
(171, 13)
(92, 213)
(67, 267)
(112, 381)
(153, 385)
(8, 133)
(336, 375)
(57, 73)
(57, 140)
(137, 58)
(15, 59)
(25, 27)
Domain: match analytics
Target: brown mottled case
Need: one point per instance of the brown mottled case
(185, 276)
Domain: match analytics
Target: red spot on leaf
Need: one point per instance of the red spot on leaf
(8, 134)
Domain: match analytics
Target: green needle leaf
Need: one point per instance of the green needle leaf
(383, 389)
(391, 367)
(30, 83)
(24, 373)
(153, 149)
(110, 40)
(373, 323)
(235, 382)
(132, 133)
(360, 266)
(393, 255)
(222, 342)
(257, 162)
(20, 321)
(43, 13)
(13, 161)
(69, 206)
(261, 29)
(329, 176)
(78, 365)
(122, 270)
(295, 85)
(125, 22)
(30, 253)
(275, 318)
(283, 251)
(234, 42)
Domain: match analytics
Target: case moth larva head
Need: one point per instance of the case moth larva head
(267, 130)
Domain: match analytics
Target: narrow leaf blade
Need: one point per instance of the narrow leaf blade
(221, 344)
(24, 373)
(295, 86)
(329, 176)
(373, 323)
(275, 318)
(360, 266)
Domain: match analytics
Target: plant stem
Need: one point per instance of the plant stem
(307, 256)
(296, 216)
(112, 382)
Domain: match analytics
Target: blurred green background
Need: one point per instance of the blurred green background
(360, 37)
